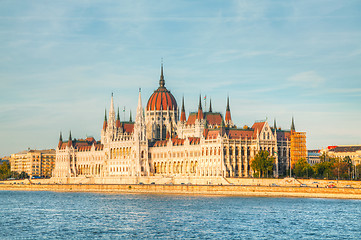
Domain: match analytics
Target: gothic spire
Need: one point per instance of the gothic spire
(183, 112)
(117, 123)
(210, 105)
(161, 80)
(274, 124)
(130, 116)
(200, 103)
(227, 109)
(200, 111)
(61, 137)
(228, 118)
(105, 124)
(293, 125)
(70, 138)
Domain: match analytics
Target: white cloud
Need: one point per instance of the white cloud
(306, 79)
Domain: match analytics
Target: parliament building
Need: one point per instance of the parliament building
(164, 142)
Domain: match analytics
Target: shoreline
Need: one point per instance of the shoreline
(207, 190)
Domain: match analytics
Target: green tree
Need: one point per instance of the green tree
(263, 163)
(5, 171)
(303, 169)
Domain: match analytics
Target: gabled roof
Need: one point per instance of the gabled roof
(257, 127)
(213, 118)
(192, 118)
(128, 127)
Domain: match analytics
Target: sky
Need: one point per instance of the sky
(61, 60)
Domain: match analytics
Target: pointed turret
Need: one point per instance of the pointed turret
(183, 112)
(70, 141)
(210, 105)
(293, 129)
(161, 80)
(228, 118)
(274, 124)
(105, 124)
(111, 122)
(200, 115)
(130, 116)
(60, 140)
(117, 123)
(139, 126)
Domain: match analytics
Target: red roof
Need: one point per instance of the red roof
(257, 127)
(128, 127)
(239, 133)
(192, 119)
(213, 118)
(212, 134)
(161, 99)
(82, 144)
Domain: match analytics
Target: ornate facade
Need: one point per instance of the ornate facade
(163, 142)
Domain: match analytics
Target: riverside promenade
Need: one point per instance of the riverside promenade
(273, 190)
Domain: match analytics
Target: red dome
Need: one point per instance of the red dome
(161, 99)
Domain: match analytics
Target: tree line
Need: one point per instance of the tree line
(327, 168)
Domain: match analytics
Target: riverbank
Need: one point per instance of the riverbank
(220, 190)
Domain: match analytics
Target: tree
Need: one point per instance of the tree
(5, 171)
(302, 168)
(263, 163)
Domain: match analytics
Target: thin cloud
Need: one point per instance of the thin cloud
(306, 79)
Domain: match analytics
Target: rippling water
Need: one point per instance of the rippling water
(52, 215)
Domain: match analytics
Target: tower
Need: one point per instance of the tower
(161, 112)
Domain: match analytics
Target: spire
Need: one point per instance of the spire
(183, 112)
(293, 125)
(161, 80)
(200, 103)
(70, 142)
(227, 109)
(210, 105)
(200, 111)
(117, 123)
(274, 124)
(228, 118)
(60, 140)
(130, 116)
(105, 124)
(111, 122)
(139, 116)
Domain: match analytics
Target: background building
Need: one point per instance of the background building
(313, 157)
(342, 151)
(36, 163)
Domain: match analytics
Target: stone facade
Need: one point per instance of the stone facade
(162, 142)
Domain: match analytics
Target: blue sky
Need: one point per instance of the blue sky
(60, 61)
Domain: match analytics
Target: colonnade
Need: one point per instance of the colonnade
(87, 169)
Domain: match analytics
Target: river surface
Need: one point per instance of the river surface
(55, 215)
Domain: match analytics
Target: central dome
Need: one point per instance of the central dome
(161, 99)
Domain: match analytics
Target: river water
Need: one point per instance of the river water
(54, 215)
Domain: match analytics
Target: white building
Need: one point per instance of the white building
(163, 143)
